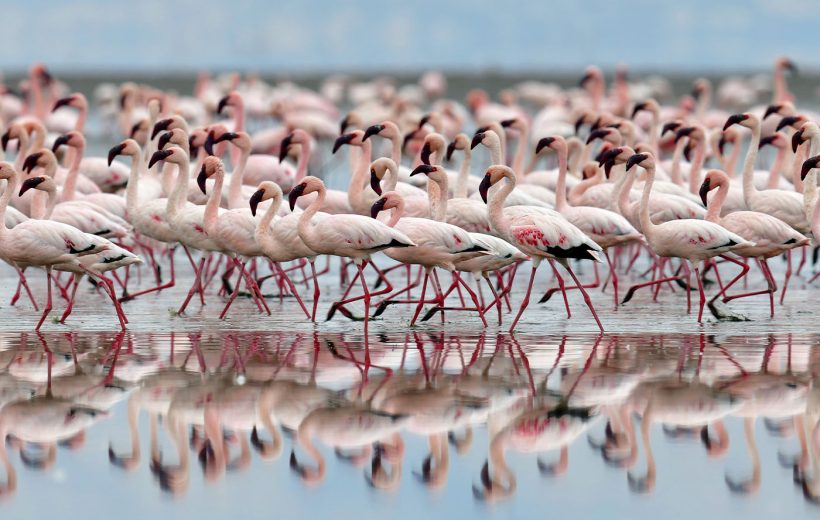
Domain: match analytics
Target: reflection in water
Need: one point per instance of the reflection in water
(214, 403)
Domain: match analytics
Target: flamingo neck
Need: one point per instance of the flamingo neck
(356, 188)
(235, 186)
(40, 199)
(391, 179)
(212, 206)
(781, 89)
(11, 475)
(677, 154)
(811, 201)
(731, 163)
(521, 150)
(579, 189)
(132, 193)
(749, 188)
(777, 166)
(464, 174)
(653, 133)
(697, 165)
(621, 192)
(22, 151)
(305, 227)
(495, 205)
(5, 198)
(304, 160)
(82, 117)
(703, 104)
(264, 229)
(647, 226)
(179, 195)
(561, 185)
(38, 100)
(51, 202)
(70, 185)
(574, 151)
(315, 474)
(437, 191)
(716, 204)
(501, 468)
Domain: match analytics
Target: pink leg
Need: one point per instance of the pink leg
(560, 285)
(496, 299)
(232, 296)
(526, 300)
(700, 290)
(71, 300)
(788, 275)
(47, 308)
(587, 299)
(315, 288)
(292, 289)
(423, 293)
(171, 282)
(195, 286)
(24, 283)
(614, 274)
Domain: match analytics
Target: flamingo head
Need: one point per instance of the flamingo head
(308, 185)
(160, 155)
(377, 170)
(494, 174)
(7, 170)
(808, 165)
(266, 190)
(210, 167)
(641, 159)
(746, 119)
(354, 138)
(373, 130)
(42, 183)
(73, 139)
(389, 200)
(460, 142)
(68, 101)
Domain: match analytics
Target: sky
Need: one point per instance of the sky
(412, 35)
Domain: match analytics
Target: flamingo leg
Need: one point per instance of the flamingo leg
(292, 289)
(744, 268)
(770, 290)
(787, 277)
(614, 274)
(195, 286)
(421, 301)
(496, 298)
(561, 286)
(75, 285)
(22, 281)
(126, 296)
(587, 299)
(48, 306)
(702, 301)
(526, 300)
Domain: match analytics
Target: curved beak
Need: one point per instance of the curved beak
(704, 190)
(159, 155)
(608, 167)
(722, 144)
(4, 141)
(422, 168)
(670, 127)
(578, 124)
(635, 159)
(377, 207)
(209, 143)
(165, 138)
(769, 139)
(586, 77)
(372, 130)
(256, 198)
(451, 148)
(787, 121)
(425, 153)
(797, 140)
(638, 108)
(343, 140)
(200, 180)
(222, 104)
(772, 109)
(683, 132)
(484, 187)
(733, 120)
(284, 147)
(790, 66)
(477, 138)
(30, 183)
(134, 129)
(344, 124)
(808, 164)
(375, 182)
(60, 141)
(407, 138)
(159, 126)
(114, 152)
(294, 194)
(62, 102)
(31, 161)
(544, 142)
(609, 155)
(423, 121)
(599, 133)
(687, 151)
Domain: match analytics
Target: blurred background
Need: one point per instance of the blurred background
(366, 36)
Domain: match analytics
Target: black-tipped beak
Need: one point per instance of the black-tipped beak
(600, 133)
(484, 187)
(733, 120)
(200, 180)
(424, 120)
(596, 125)
(578, 124)
(722, 144)
(209, 143)
(609, 155)
(284, 147)
(256, 198)
(375, 182)
(4, 141)
(808, 164)
(772, 109)
(165, 138)
(608, 167)
(377, 207)
(638, 108)
(477, 138)
(294, 194)
(31, 161)
(123, 98)
(544, 142)
(227, 136)
(769, 139)
(586, 77)
(344, 124)
(160, 126)
(343, 140)
(60, 141)
(635, 159)
(451, 148)
(683, 132)
(372, 130)
(507, 123)
(422, 168)
(687, 151)
(30, 184)
(407, 138)
(425, 153)
(159, 155)
(670, 127)
(114, 152)
(222, 104)
(797, 140)
(62, 102)
(134, 129)
(704, 190)
(787, 121)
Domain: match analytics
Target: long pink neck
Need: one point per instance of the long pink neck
(396, 214)
(235, 187)
(561, 185)
(697, 164)
(579, 189)
(212, 206)
(677, 154)
(716, 204)
(70, 186)
(357, 186)
(304, 160)
(521, 150)
(777, 166)
(781, 90)
(731, 163)
(39, 107)
(22, 151)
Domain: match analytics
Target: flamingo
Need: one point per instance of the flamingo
(350, 236)
(43, 243)
(770, 236)
(537, 234)
(689, 239)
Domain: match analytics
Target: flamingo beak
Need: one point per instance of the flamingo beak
(425, 153)
(284, 147)
(377, 207)
(797, 140)
(31, 161)
(635, 159)
(477, 138)
(159, 126)
(704, 190)
(422, 168)
(734, 119)
(638, 108)
(808, 164)
(30, 183)
(543, 143)
(200, 180)
(159, 155)
(294, 194)
(165, 138)
(451, 148)
(60, 141)
(62, 102)
(670, 127)
(4, 141)
(209, 143)
(484, 187)
(787, 121)
(372, 130)
(343, 140)
(114, 152)
(256, 198)
(222, 104)
(599, 133)
(375, 182)
(772, 109)
(344, 124)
